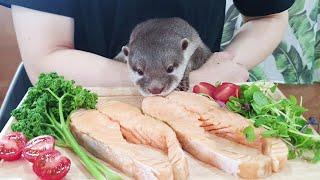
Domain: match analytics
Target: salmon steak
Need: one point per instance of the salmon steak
(104, 139)
(231, 157)
(141, 129)
(230, 125)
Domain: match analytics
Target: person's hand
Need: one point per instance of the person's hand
(219, 67)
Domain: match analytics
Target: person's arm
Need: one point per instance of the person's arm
(256, 39)
(46, 44)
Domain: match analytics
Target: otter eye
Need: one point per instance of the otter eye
(170, 69)
(140, 72)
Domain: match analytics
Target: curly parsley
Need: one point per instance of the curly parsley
(46, 110)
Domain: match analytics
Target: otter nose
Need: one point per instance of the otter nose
(155, 90)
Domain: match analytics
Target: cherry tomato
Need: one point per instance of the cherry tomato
(11, 146)
(225, 91)
(18, 137)
(37, 145)
(51, 165)
(204, 88)
(9, 150)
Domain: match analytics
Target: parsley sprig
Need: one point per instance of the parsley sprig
(46, 111)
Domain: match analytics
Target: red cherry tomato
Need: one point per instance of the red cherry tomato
(37, 145)
(51, 165)
(9, 150)
(225, 91)
(18, 137)
(11, 146)
(204, 88)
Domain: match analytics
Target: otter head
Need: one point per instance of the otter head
(157, 68)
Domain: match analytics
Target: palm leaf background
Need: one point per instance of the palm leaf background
(315, 11)
(229, 27)
(257, 74)
(315, 16)
(289, 63)
(302, 29)
(317, 58)
(298, 68)
(297, 58)
(317, 51)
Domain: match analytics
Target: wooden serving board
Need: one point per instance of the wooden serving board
(295, 169)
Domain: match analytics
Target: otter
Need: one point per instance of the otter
(160, 54)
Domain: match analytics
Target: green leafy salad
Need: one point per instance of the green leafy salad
(281, 119)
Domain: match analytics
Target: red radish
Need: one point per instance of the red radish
(237, 87)
(11, 146)
(51, 165)
(204, 88)
(221, 104)
(225, 91)
(37, 145)
(221, 94)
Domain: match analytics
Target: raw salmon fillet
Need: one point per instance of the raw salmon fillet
(103, 138)
(229, 156)
(141, 129)
(230, 125)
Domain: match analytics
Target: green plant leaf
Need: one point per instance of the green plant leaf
(297, 7)
(317, 50)
(270, 133)
(307, 75)
(292, 154)
(260, 99)
(249, 133)
(315, 11)
(281, 118)
(273, 88)
(290, 64)
(302, 29)
(257, 74)
(229, 26)
(316, 157)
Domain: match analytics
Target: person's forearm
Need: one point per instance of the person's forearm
(257, 38)
(85, 68)
(46, 44)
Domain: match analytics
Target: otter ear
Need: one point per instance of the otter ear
(184, 43)
(125, 50)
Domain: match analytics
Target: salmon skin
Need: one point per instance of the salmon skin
(230, 125)
(141, 129)
(104, 139)
(231, 157)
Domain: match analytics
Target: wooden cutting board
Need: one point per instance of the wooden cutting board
(295, 169)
